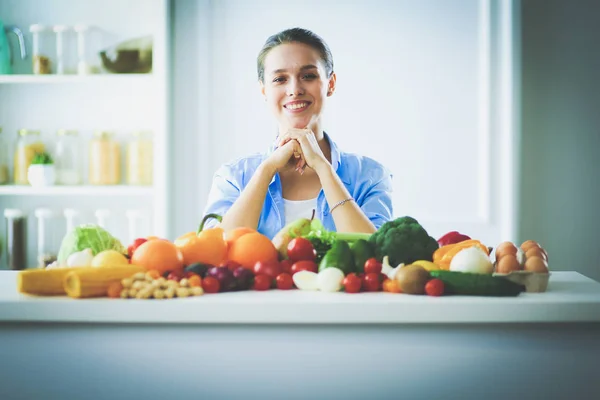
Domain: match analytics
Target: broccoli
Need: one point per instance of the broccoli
(403, 240)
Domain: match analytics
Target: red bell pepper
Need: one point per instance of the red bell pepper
(452, 238)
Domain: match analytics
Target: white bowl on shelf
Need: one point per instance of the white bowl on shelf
(41, 175)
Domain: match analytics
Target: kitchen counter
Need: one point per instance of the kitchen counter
(315, 345)
(571, 297)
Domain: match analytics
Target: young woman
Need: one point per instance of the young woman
(304, 170)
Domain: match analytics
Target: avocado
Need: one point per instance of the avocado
(339, 256)
(362, 250)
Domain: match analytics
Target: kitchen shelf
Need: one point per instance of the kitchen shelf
(103, 78)
(81, 190)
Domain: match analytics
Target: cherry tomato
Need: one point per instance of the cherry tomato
(284, 281)
(352, 283)
(262, 282)
(136, 243)
(210, 285)
(175, 276)
(300, 249)
(434, 287)
(304, 266)
(372, 282)
(391, 286)
(269, 268)
(372, 265)
(286, 265)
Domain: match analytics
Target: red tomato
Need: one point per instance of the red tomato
(284, 281)
(262, 282)
(300, 249)
(304, 266)
(175, 276)
(372, 282)
(136, 243)
(434, 287)
(286, 266)
(269, 268)
(211, 285)
(189, 274)
(372, 265)
(352, 283)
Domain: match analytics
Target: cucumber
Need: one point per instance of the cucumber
(465, 283)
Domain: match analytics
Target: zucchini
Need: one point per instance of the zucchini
(469, 284)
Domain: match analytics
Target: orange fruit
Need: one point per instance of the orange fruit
(250, 248)
(159, 255)
(237, 233)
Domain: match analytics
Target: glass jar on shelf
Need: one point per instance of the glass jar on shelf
(47, 237)
(65, 50)
(87, 61)
(41, 39)
(16, 238)
(28, 145)
(140, 159)
(3, 160)
(67, 157)
(104, 159)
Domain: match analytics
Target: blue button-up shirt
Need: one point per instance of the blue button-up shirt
(368, 182)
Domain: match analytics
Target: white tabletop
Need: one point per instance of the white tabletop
(571, 297)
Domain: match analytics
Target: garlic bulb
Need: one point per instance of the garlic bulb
(81, 258)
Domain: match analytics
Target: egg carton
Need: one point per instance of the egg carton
(534, 282)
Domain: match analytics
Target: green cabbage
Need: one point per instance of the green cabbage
(88, 236)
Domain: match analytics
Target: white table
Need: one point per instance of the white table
(287, 345)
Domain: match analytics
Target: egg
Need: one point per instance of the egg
(535, 252)
(544, 252)
(505, 248)
(507, 264)
(536, 264)
(529, 244)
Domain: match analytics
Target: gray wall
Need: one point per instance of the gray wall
(560, 98)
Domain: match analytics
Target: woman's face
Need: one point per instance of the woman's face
(296, 85)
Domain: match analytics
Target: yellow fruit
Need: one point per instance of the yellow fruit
(428, 265)
(109, 258)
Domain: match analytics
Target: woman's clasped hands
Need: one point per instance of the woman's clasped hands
(297, 149)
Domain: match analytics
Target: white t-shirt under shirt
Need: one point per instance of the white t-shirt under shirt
(295, 209)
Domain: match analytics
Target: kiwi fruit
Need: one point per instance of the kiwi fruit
(412, 279)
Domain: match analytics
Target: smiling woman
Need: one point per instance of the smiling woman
(303, 170)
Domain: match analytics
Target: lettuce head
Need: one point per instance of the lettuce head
(88, 236)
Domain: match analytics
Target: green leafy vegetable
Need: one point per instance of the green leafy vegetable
(88, 236)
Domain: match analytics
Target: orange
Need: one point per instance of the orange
(250, 248)
(159, 255)
(237, 233)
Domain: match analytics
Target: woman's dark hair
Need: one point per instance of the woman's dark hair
(295, 35)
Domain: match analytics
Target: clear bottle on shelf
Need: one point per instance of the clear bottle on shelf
(140, 159)
(65, 50)
(67, 157)
(102, 217)
(16, 239)
(71, 218)
(138, 224)
(86, 62)
(28, 145)
(3, 159)
(104, 160)
(47, 233)
(41, 38)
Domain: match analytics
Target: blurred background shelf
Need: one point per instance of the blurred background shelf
(100, 78)
(113, 190)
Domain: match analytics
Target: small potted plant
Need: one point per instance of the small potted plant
(41, 172)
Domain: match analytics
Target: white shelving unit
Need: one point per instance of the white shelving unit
(59, 79)
(83, 190)
(121, 103)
